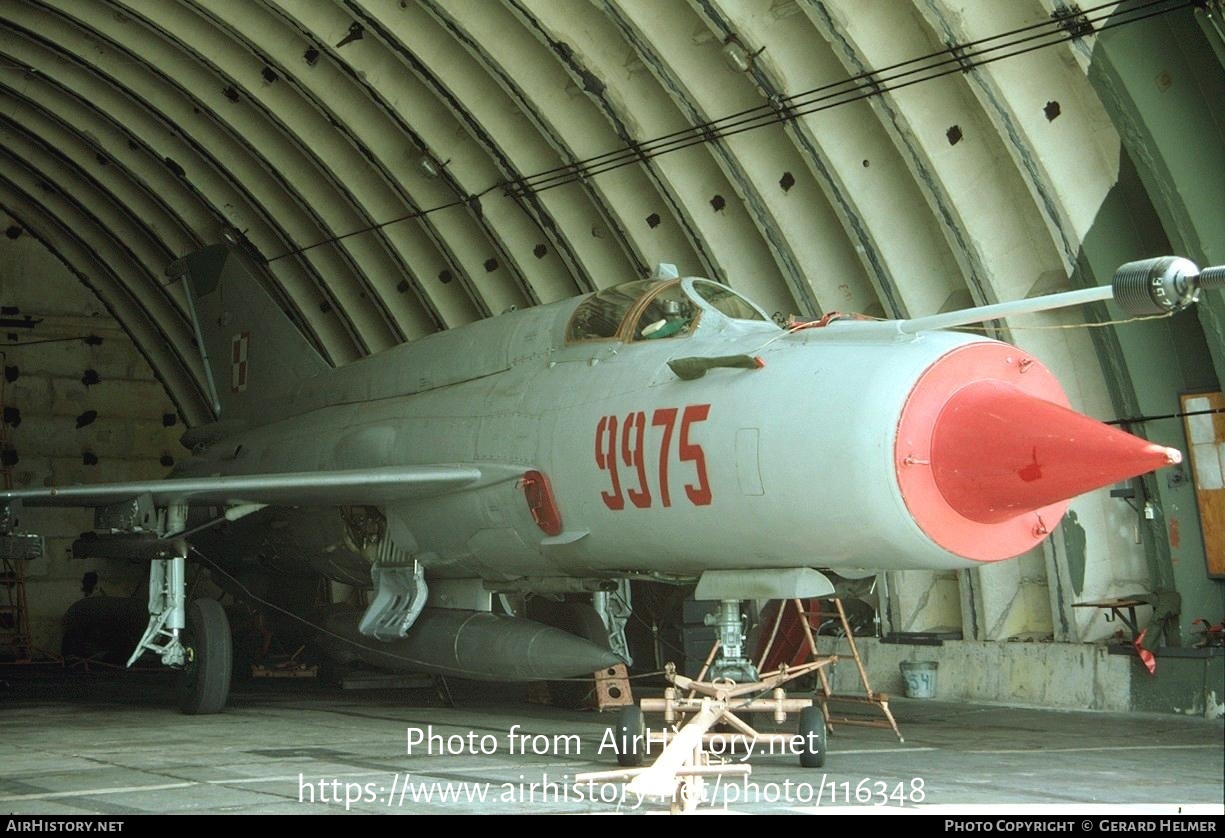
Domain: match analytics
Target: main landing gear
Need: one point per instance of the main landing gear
(204, 679)
(194, 639)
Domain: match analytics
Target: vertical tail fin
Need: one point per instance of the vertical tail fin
(253, 353)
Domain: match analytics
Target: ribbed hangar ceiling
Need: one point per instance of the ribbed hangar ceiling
(395, 167)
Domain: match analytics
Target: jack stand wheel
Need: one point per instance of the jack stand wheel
(630, 737)
(204, 681)
(812, 729)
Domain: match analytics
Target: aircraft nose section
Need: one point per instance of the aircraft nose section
(998, 453)
(988, 453)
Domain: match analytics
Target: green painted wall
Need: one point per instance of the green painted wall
(1193, 686)
(1164, 88)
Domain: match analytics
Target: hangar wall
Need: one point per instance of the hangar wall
(1164, 87)
(1072, 676)
(74, 413)
(1155, 91)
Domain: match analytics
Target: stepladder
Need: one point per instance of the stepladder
(792, 639)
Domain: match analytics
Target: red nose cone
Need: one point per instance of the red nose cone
(988, 452)
(998, 452)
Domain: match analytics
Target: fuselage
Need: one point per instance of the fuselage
(790, 465)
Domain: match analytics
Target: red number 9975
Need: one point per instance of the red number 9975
(624, 443)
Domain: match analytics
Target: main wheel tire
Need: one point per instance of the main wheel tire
(204, 682)
(629, 737)
(812, 729)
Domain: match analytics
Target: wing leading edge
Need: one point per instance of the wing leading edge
(319, 488)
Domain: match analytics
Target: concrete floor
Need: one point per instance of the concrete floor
(73, 743)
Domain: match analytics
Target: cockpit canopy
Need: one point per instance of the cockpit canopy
(652, 309)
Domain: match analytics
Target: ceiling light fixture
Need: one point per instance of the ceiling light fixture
(736, 56)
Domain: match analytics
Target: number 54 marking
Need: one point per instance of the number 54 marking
(624, 444)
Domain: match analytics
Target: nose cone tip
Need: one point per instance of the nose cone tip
(998, 452)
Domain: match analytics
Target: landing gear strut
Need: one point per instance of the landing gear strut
(734, 688)
(731, 665)
(194, 639)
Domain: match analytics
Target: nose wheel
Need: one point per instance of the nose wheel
(204, 681)
(812, 737)
(630, 737)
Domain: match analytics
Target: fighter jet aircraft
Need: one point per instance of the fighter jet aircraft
(663, 429)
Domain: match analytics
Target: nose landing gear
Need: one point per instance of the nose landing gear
(692, 707)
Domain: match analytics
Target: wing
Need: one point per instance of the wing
(318, 488)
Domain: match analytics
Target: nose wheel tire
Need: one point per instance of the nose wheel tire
(812, 729)
(629, 736)
(204, 682)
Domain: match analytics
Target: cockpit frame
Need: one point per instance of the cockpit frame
(676, 324)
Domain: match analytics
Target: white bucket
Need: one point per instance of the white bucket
(920, 678)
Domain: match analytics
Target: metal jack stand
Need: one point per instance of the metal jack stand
(826, 695)
(14, 615)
